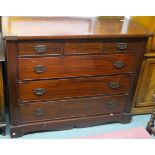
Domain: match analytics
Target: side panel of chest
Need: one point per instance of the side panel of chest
(2, 104)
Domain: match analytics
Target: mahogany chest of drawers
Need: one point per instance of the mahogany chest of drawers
(66, 72)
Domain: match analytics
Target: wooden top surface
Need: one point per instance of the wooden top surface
(69, 27)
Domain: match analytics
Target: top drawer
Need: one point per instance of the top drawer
(122, 46)
(40, 48)
(83, 47)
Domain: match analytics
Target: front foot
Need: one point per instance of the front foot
(127, 117)
(3, 130)
(15, 132)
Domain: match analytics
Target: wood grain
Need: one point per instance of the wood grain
(146, 86)
(149, 23)
(83, 47)
(61, 109)
(12, 85)
(28, 48)
(69, 27)
(131, 46)
(64, 124)
(72, 66)
(74, 87)
(143, 97)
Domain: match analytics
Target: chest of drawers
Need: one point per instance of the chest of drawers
(71, 72)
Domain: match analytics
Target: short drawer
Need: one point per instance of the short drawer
(82, 47)
(40, 48)
(74, 87)
(70, 108)
(72, 66)
(122, 46)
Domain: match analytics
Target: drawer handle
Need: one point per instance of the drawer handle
(111, 105)
(39, 91)
(114, 85)
(118, 64)
(122, 46)
(40, 49)
(39, 112)
(39, 69)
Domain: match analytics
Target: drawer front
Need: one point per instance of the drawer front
(72, 108)
(83, 47)
(122, 46)
(99, 47)
(74, 87)
(71, 66)
(40, 48)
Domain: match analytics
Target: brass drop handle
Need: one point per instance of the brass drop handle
(39, 69)
(39, 91)
(111, 105)
(114, 85)
(118, 64)
(39, 112)
(121, 46)
(40, 49)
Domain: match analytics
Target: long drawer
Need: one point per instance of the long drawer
(72, 66)
(74, 87)
(59, 109)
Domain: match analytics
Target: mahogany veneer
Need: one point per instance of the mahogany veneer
(74, 87)
(66, 72)
(52, 48)
(73, 108)
(73, 66)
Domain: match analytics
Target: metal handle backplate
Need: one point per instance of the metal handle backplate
(111, 105)
(39, 69)
(40, 49)
(39, 112)
(114, 85)
(121, 46)
(118, 64)
(39, 91)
